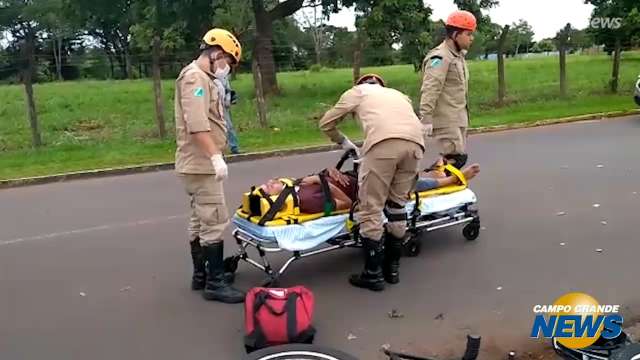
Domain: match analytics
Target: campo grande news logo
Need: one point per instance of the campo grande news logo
(577, 320)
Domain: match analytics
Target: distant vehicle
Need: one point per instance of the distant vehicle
(637, 93)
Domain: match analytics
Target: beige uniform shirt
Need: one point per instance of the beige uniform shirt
(445, 88)
(197, 109)
(383, 113)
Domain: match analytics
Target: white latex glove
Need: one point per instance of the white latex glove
(346, 145)
(427, 130)
(220, 167)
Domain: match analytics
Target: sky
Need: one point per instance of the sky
(546, 17)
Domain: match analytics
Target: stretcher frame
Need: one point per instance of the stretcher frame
(417, 224)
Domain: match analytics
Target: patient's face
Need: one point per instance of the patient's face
(273, 187)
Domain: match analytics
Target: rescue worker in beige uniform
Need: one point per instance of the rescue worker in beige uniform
(445, 89)
(389, 163)
(201, 139)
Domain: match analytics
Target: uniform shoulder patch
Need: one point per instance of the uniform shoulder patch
(435, 61)
(198, 92)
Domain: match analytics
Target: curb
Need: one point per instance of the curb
(127, 170)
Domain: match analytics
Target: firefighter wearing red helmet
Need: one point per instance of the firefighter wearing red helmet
(444, 93)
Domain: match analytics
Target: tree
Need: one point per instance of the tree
(314, 23)
(562, 41)
(22, 19)
(544, 45)
(502, 87)
(265, 16)
(521, 36)
(158, 28)
(615, 38)
(109, 22)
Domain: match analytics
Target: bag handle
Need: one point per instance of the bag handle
(289, 308)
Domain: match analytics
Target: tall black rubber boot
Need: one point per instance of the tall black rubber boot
(392, 254)
(371, 277)
(199, 273)
(218, 287)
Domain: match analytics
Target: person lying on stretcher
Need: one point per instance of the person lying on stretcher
(342, 187)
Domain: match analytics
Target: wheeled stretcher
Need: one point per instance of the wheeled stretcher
(312, 234)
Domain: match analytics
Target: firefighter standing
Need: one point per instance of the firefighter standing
(201, 138)
(445, 89)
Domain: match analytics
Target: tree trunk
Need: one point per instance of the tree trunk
(616, 66)
(264, 49)
(111, 66)
(27, 79)
(157, 87)
(501, 83)
(127, 64)
(260, 103)
(563, 70)
(57, 57)
(357, 57)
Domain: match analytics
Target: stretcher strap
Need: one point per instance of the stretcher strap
(457, 173)
(275, 206)
(329, 205)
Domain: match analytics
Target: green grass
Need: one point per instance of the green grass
(95, 124)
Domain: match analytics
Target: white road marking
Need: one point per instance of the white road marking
(92, 229)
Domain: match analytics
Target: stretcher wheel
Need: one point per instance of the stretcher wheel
(231, 264)
(412, 248)
(471, 231)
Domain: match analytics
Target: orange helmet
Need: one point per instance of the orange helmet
(364, 77)
(462, 19)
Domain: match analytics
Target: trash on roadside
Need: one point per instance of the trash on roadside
(599, 250)
(439, 317)
(600, 166)
(351, 337)
(499, 288)
(126, 288)
(395, 314)
(603, 222)
(561, 213)
(83, 294)
(596, 205)
(483, 228)
(563, 244)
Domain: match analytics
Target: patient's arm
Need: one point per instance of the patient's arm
(308, 180)
(343, 201)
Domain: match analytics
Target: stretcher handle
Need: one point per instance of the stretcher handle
(348, 154)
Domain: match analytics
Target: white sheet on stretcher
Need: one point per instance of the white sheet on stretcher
(311, 234)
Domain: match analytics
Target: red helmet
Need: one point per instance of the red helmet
(462, 19)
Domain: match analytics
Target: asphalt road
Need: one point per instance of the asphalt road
(99, 269)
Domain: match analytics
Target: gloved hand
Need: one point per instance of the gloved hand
(347, 145)
(220, 167)
(427, 130)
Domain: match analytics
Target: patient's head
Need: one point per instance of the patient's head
(272, 187)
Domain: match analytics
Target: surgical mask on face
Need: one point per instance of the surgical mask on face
(222, 73)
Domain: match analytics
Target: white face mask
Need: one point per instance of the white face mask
(221, 73)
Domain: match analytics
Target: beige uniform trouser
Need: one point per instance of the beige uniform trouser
(209, 214)
(451, 140)
(387, 175)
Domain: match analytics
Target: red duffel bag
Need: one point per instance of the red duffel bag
(278, 316)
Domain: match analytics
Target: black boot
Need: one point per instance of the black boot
(371, 277)
(392, 254)
(199, 273)
(217, 286)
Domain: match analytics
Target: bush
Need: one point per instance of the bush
(315, 68)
